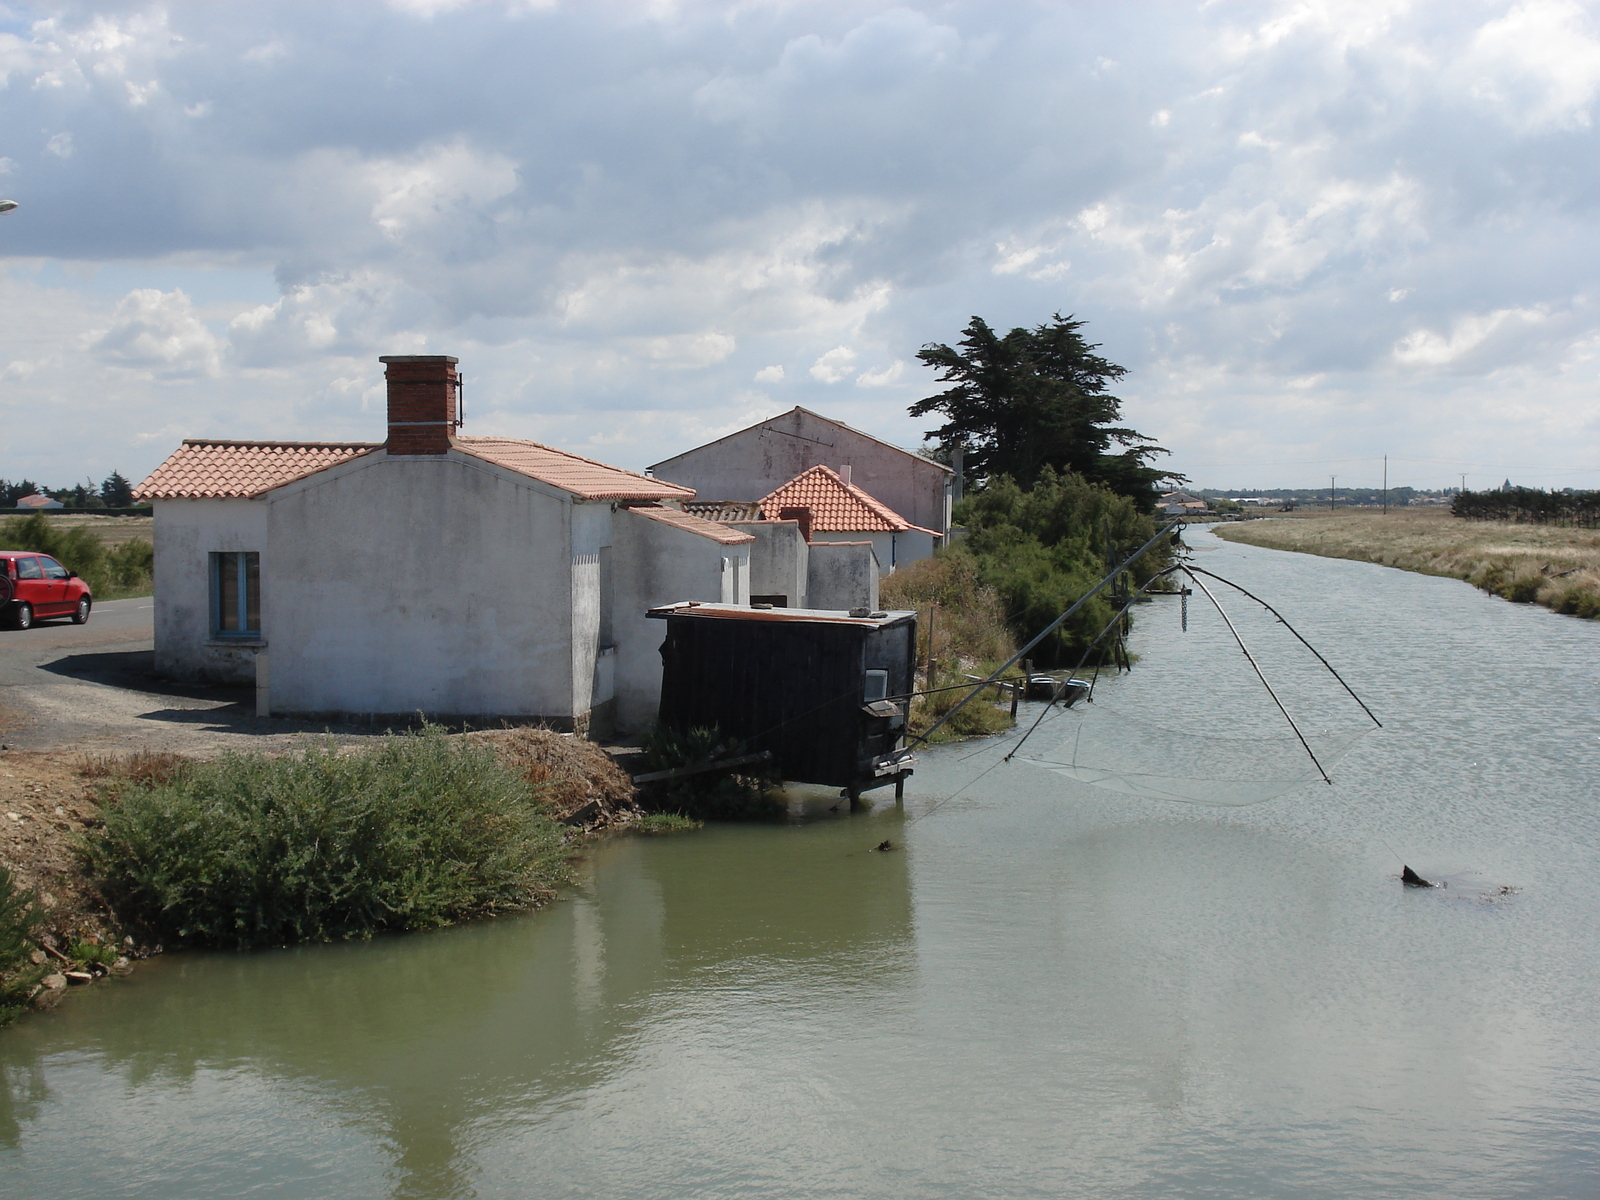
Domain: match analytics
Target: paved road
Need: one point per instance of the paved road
(93, 688)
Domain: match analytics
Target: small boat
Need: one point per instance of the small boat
(1048, 687)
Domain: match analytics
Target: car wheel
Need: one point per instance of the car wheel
(23, 617)
(81, 613)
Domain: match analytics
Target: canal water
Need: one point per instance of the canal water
(1045, 989)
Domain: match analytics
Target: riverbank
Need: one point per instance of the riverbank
(1555, 566)
(51, 801)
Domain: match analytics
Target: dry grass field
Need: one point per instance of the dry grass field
(112, 531)
(1532, 564)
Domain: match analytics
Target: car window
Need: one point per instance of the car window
(52, 569)
(28, 568)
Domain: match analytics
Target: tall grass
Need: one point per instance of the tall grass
(20, 919)
(110, 573)
(417, 831)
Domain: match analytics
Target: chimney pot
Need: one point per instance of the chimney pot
(844, 473)
(422, 402)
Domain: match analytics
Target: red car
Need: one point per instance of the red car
(34, 587)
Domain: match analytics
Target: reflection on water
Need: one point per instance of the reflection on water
(1049, 990)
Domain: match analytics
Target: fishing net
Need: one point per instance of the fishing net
(1231, 708)
(1122, 752)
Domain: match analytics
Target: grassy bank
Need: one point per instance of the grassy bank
(1555, 566)
(961, 628)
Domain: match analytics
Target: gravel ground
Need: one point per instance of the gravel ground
(91, 689)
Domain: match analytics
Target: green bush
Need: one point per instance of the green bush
(1522, 591)
(744, 794)
(123, 571)
(1041, 550)
(418, 831)
(20, 919)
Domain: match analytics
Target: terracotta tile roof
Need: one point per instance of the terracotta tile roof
(724, 510)
(836, 506)
(583, 477)
(690, 523)
(202, 469)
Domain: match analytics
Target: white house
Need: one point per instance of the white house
(462, 577)
(753, 462)
(831, 508)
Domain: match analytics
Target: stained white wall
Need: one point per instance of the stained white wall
(749, 464)
(659, 564)
(444, 585)
(778, 559)
(843, 575)
(186, 533)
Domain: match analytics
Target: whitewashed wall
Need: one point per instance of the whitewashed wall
(843, 575)
(186, 534)
(778, 559)
(443, 585)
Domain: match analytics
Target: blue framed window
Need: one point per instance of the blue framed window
(236, 594)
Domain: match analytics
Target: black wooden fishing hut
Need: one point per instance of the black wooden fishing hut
(825, 691)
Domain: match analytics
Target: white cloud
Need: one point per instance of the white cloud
(158, 332)
(837, 364)
(885, 377)
(1426, 348)
(622, 217)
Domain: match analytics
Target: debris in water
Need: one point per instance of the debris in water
(886, 844)
(1411, 879)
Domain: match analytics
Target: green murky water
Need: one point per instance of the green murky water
(1045, 990)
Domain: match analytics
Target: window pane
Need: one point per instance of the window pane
(252, 592)
(52, 569)
(28, 568)
(228, 593)
(876, 686)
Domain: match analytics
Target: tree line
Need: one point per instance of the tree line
(112, 492)
(1530, 506)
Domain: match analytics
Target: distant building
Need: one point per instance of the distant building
(753, 462)
(38, 503)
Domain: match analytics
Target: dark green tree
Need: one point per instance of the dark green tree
(1036, 398)
(116, 491)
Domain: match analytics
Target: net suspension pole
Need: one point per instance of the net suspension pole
(1250, 658)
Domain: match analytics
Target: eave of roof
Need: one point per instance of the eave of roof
(583, 477)
(690, 523)
(222, 469)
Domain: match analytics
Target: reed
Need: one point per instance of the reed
(1556, 566)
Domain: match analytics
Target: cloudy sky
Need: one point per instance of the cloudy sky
(1315, 233)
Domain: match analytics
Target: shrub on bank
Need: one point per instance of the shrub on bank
(124, 570)
(415, 832)
(747, 793)
(20, 919)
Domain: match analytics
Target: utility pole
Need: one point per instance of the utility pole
(1386, 485)
(1331, 478)
(1463, 481)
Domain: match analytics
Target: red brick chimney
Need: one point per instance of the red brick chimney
(422, 402)
(800, 515)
